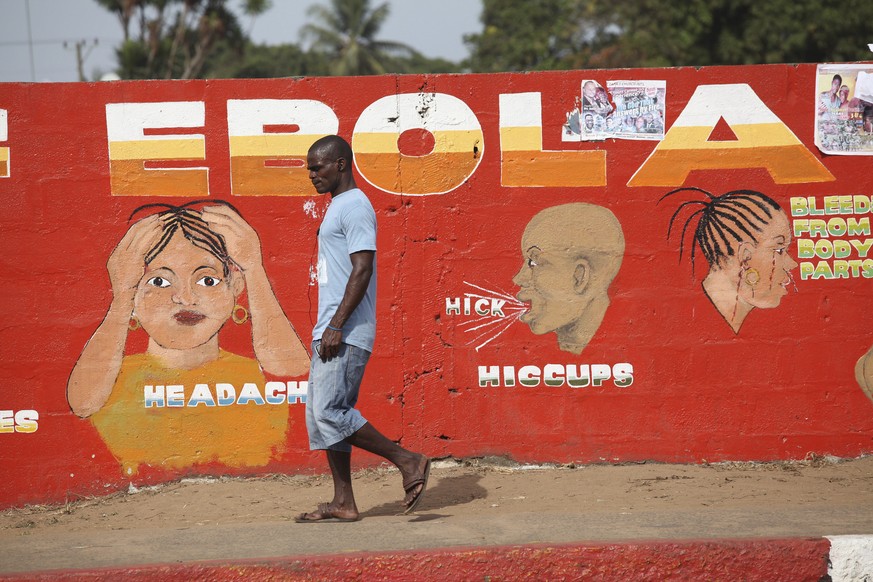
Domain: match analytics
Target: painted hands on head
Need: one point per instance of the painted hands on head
(126, 264)
(243, 244)
(277, 346)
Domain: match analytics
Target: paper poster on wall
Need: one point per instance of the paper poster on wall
(4, 151)
(624, 110)
(844, 109)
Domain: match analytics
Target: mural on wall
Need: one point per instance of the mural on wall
(536, 299)
(267, 152)
(570, 255)
(178, 275)
(729, 127)
(844, 111)
(523, 160)
(833, 236)
(417, 144)
(493, 311)
(744, 236)
(157, 149)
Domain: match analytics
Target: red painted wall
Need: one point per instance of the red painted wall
(783, 387)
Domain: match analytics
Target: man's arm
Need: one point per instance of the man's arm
(356, 288)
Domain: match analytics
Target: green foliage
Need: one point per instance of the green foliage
(523, 35)
(181, 39)
(563, 34)
(734, 32)
(346, 33)
(174, 38)
(420, 64)
(258, 61)
(204, 38)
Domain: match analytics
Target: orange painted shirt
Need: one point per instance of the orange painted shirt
(177, 437)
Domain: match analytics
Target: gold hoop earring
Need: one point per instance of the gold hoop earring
(239, 319)
(133, 323)
(752, 277)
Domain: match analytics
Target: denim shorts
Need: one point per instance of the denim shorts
(333, 392)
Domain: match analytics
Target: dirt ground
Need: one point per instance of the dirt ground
(478, 487)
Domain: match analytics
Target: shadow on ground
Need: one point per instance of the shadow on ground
(447, 492)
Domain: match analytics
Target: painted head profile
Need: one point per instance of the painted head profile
(864, 373)
(571, 253)
(190, 284)
(744, 236)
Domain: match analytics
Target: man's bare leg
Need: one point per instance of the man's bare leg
(412, 465)
(341, 471)
(343, 506)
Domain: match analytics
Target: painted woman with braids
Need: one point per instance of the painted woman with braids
(744, 236)
(178, 275)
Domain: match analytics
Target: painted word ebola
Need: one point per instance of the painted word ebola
(430, 143)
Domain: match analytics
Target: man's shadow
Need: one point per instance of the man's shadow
(448, 492)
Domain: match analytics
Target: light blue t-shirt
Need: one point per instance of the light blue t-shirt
(349, 226)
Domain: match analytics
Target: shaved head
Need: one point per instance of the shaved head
(329, 162)
(570, 253)
(579, 230)
(332, 146)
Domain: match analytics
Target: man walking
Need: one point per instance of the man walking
(344, 334)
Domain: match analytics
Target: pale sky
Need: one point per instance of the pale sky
(56, 26)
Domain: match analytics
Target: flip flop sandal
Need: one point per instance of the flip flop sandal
(323, 514)
(409, 485)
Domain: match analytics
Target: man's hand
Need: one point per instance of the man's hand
(330, 344)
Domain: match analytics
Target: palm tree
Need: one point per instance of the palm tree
(176, 37)
(346, 32)
(123, 9)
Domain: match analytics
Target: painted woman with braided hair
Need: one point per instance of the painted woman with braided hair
(744, 235)
(178, 274)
